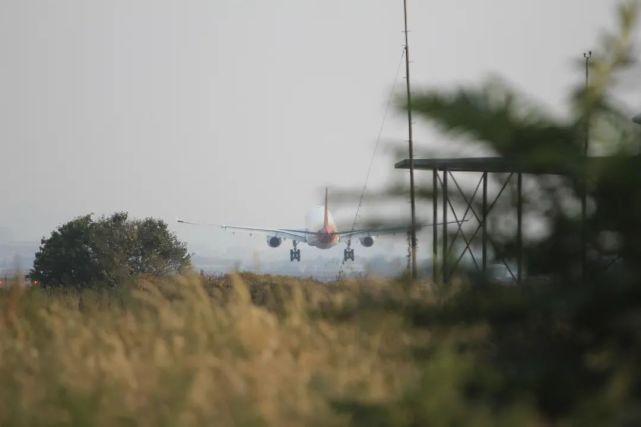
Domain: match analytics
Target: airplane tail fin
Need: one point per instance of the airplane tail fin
(326, 220)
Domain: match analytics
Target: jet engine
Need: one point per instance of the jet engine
(367, 241)
(274, 241)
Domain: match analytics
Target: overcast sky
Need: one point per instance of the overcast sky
(242, 111)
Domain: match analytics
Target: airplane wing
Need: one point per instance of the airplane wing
(372, 232)
(298, 235)
(375, 232)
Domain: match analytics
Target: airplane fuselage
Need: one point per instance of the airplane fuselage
(324, 231)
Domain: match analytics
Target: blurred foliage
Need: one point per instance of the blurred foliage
(513, 127)
(108, 251)
(568, 340)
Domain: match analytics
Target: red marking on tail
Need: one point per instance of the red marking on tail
(326, 220)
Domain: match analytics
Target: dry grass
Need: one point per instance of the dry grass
(227, 352)
(240, 351)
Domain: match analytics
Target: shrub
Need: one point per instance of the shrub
(108, 251)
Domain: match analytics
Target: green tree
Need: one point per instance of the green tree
(108, 252)
(511, 125)
(569, 343)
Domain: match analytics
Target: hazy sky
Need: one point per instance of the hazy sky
(241, 111)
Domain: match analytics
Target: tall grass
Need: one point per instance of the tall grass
(271, 351)
(191, 351)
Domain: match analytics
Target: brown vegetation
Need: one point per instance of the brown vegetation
(189, 351)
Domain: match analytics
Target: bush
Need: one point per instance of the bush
(109, 251)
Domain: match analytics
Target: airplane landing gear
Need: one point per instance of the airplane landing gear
(294, 254)
(348, 253)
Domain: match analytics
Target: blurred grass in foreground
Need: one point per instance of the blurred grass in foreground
(260, 350)
(238, 351)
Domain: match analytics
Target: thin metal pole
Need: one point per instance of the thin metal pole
(411, 144)
(584, 232)
(588, 58)
(484, 219)
(519, 226)
(445, 251)
(434, 225)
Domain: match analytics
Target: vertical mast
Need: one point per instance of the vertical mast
(411, 147)
(584, 177)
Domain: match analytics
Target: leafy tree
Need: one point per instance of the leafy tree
(108, 251)
(569, 343)
(512, 126)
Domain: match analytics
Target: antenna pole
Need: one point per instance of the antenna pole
(413, 271)
(584, 184)
(588, 57)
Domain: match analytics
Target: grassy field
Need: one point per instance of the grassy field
(246, 351)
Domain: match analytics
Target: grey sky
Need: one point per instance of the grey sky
(240, 111)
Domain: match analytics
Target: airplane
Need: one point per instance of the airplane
(320, 232)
